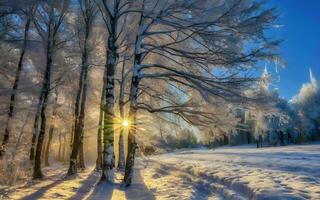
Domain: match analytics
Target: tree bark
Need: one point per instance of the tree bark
(108, 131)
(121, 158)
(75, 142)
(132, 145)
(78, 134)
(111, 63)
(99, 135)
(45, 90)
(80, 106)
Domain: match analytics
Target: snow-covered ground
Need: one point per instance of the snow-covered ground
(243, 172)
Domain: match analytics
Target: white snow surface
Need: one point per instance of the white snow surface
(243, 172)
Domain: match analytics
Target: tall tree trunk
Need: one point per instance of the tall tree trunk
(75, 139)
(47, 149)
(134, 88)
(132, 145)
(108, 131)
(121, 158)
(37, 173)
(80, 106)
(99, 135)
(78, 134)
(45, 91)
(15, 87)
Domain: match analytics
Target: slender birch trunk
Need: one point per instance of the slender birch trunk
(75, 139)
(113, 14)
(80, 105)
(45, 90)
(108, 129)
(132, 145)
(99, 135)
(121, 158)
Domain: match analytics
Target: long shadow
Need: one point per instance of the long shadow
(86, 186)
(138, 190)
(101, 190)
(39, 193)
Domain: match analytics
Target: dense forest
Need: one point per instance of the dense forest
(101, 82)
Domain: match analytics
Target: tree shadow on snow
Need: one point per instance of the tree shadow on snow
(42, 190)
(116, 191)
(86, 186)
(138, 190)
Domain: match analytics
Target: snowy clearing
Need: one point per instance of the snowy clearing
(225, 173)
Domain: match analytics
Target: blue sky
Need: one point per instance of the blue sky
(301, 46)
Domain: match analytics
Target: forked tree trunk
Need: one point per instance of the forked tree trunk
(47, 149)
(37, 173)
(15, 86)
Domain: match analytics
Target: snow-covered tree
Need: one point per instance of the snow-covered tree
(307, 104)
(176, 42)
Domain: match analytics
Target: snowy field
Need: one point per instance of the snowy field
(243, 172)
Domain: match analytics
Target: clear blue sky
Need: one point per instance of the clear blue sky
(301, 46)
